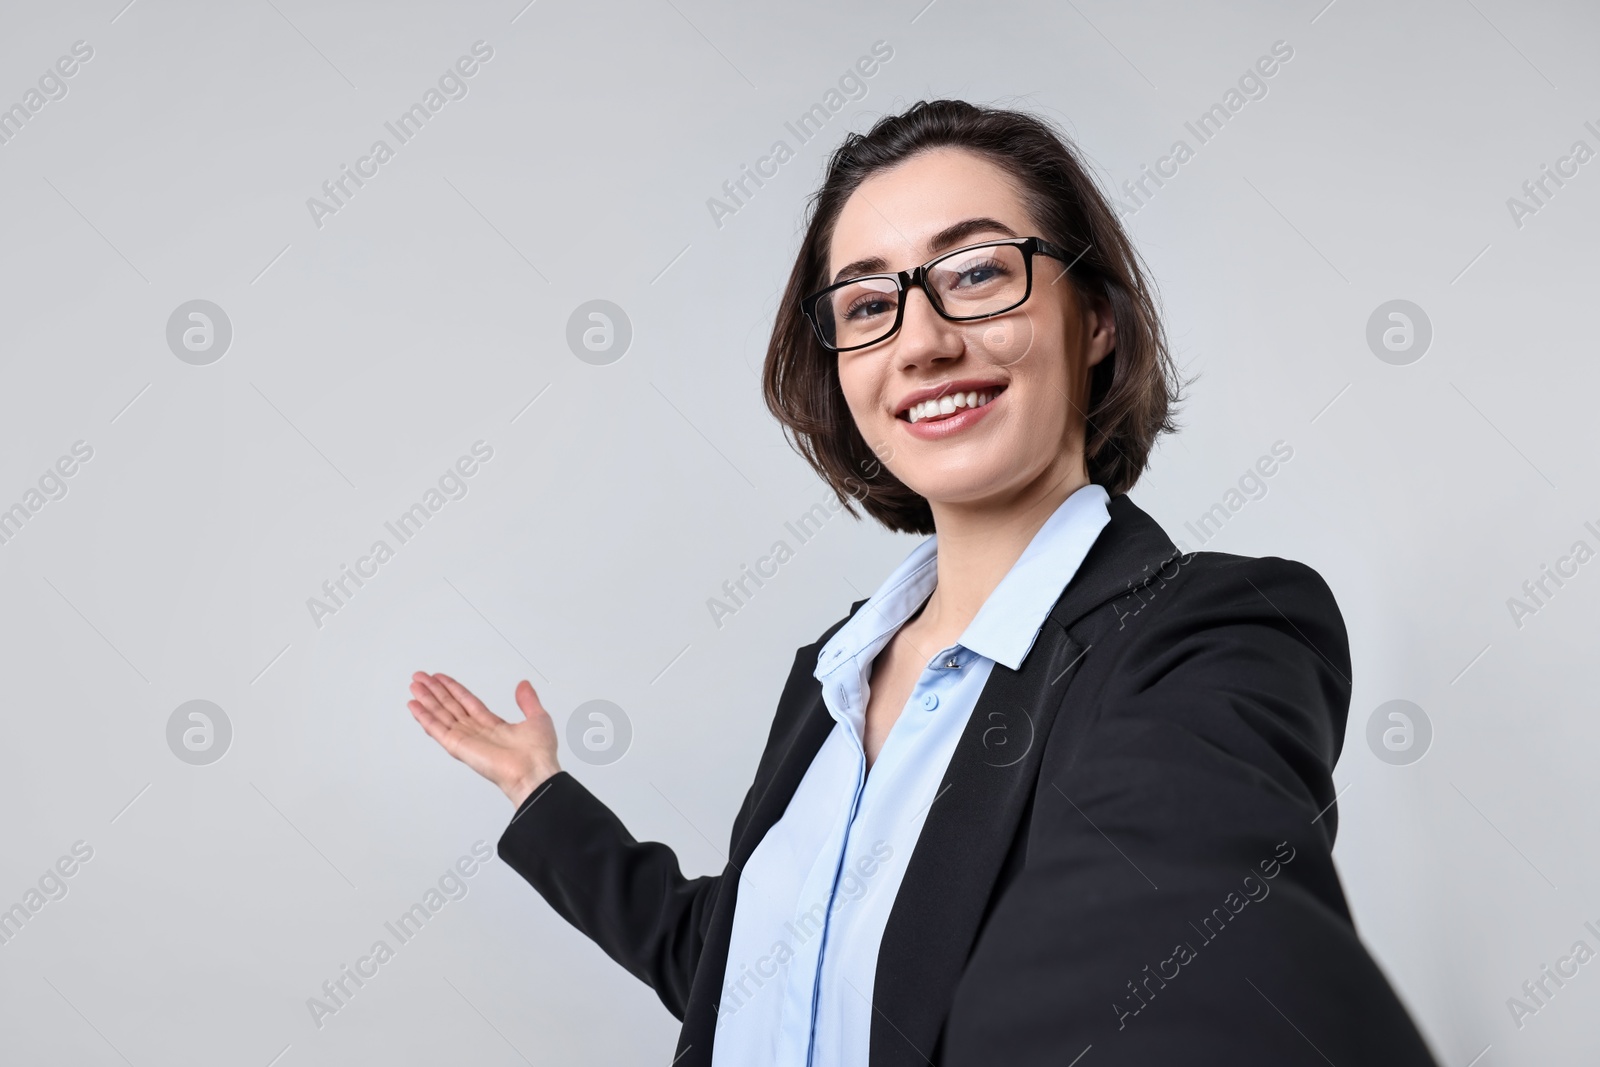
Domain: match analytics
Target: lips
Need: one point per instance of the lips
(938, 425)
(947, 400)
(949, 405)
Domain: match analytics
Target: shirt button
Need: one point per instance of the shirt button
(930, 701)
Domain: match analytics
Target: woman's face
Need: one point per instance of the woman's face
(1031, 363)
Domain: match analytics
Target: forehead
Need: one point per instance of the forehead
(894, 214)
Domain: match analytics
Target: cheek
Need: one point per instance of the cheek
(1045, 409)
(857, 384)
(1007, 341)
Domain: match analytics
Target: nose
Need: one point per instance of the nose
(925, 337)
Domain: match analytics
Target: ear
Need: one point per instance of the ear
(1101, 328)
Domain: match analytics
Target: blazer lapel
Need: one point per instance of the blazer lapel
(971, 827)
(803, 725)
(1132, 550)
(805, 736)
(973, 823)
(961, 850)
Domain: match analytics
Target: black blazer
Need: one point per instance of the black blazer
(1129, 854)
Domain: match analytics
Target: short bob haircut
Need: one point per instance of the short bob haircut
(1133, 391)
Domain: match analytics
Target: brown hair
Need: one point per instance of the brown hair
(1132, 391)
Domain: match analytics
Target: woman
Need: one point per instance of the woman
(1055, 787)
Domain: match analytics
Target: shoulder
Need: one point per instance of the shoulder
(1235, 578)
(1203, 729)
(1246, 614)
(1219, 653)
(1230, 595)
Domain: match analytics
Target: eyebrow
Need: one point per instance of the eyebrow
(948, 237)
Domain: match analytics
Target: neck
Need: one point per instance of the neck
(979, 542)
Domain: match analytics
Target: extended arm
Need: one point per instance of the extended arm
(1180, 902)
(630, 897)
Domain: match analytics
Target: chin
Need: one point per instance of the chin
(961, 487)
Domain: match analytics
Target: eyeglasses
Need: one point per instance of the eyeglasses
(975, 282)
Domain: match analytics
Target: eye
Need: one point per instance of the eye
(972, 275)
(865, 299)
(868, 304)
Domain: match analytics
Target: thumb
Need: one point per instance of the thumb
(528, 701)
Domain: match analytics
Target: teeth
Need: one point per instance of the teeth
(946, 405)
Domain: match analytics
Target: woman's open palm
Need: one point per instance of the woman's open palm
(516, 756)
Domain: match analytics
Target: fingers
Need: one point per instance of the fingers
(528, 701)
(437, 728)
(473, 706)
(436, 697)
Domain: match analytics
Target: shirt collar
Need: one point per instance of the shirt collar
(1009, 621)
(868, 630)
(1006, 626)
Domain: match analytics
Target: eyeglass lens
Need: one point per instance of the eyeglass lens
(971, 282)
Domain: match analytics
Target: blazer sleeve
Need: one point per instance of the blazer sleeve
(1179, 901)
(628, 896)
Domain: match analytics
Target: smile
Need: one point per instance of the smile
(944, 407)
(951, 408)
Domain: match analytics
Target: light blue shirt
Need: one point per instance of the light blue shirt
(815, 896)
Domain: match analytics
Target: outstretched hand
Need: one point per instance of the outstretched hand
(516, 756)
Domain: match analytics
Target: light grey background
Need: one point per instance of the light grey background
(432, 310)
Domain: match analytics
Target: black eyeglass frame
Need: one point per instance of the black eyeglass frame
(917, 277)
